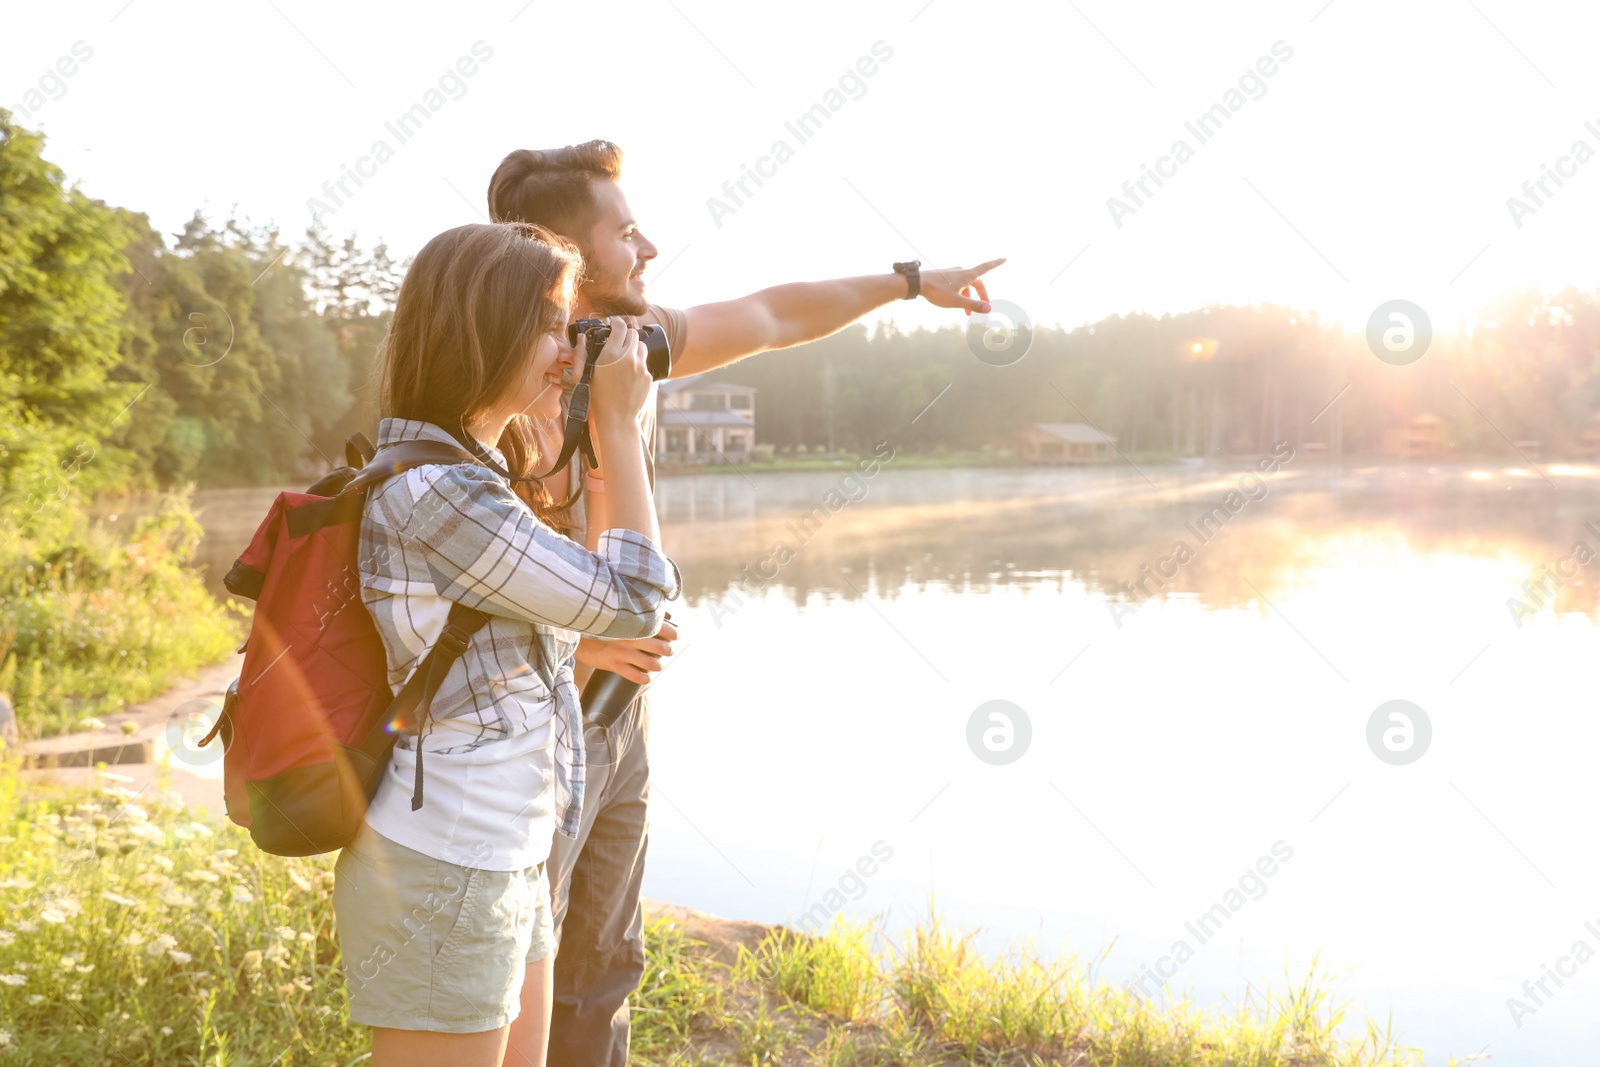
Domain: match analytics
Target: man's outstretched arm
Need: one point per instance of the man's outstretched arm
(785, 315)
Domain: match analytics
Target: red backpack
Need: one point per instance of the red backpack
(308, 726)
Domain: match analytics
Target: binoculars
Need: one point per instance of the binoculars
(597, 331)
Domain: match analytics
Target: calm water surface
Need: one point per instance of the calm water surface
(1163, 745)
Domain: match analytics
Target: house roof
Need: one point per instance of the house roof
(700, 384)
(703, 419)
(1076, 433)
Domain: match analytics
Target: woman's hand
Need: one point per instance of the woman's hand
(621, 383)
(634, 660)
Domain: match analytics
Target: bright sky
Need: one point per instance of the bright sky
(1376, 163)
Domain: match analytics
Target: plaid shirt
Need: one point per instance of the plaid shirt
(457, 533)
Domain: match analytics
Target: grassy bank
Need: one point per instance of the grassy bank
(132, 933)
(94, 620)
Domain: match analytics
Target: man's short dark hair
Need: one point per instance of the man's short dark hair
(553, 187)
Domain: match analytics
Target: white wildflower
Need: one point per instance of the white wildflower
(298, 879)
(13, 979)
(118, 898)
(134, 939)
(166, 1031)
(179, 957)
(201, 876)
(62, 908)
(6, 938)
(242, 895)
(162, 943)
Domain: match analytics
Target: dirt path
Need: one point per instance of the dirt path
(164, 731)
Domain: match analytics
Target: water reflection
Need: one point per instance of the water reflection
(1107, 529)
(974, 530)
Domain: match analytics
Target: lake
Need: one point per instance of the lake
(937, 688)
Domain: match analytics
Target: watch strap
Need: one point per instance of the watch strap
(912, 269)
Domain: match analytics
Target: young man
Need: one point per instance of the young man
(595, 877)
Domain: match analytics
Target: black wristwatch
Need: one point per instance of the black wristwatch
(912, 270)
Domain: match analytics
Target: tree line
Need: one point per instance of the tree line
(1214, 381)
(233, 356)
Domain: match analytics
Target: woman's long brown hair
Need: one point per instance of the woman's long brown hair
(472, 305)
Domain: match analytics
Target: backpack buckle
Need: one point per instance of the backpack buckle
(454, 639)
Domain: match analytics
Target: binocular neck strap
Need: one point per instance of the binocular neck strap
(577, 428)
(577, 431)
(576, 436)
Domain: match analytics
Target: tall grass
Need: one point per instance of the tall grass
(836, 974)
(936, 994)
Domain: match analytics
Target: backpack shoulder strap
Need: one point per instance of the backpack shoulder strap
(412, 708)
(358, 450)
(402, 456)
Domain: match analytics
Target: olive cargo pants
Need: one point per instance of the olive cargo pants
(595, 881)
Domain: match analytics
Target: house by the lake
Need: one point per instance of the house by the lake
(1065, 442)
(1421, 438)
(700, 421)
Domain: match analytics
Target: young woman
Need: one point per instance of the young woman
(443, 912)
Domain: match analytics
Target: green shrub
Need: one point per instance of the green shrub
(93, 622)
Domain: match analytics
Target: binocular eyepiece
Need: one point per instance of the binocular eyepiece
(658, 353)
